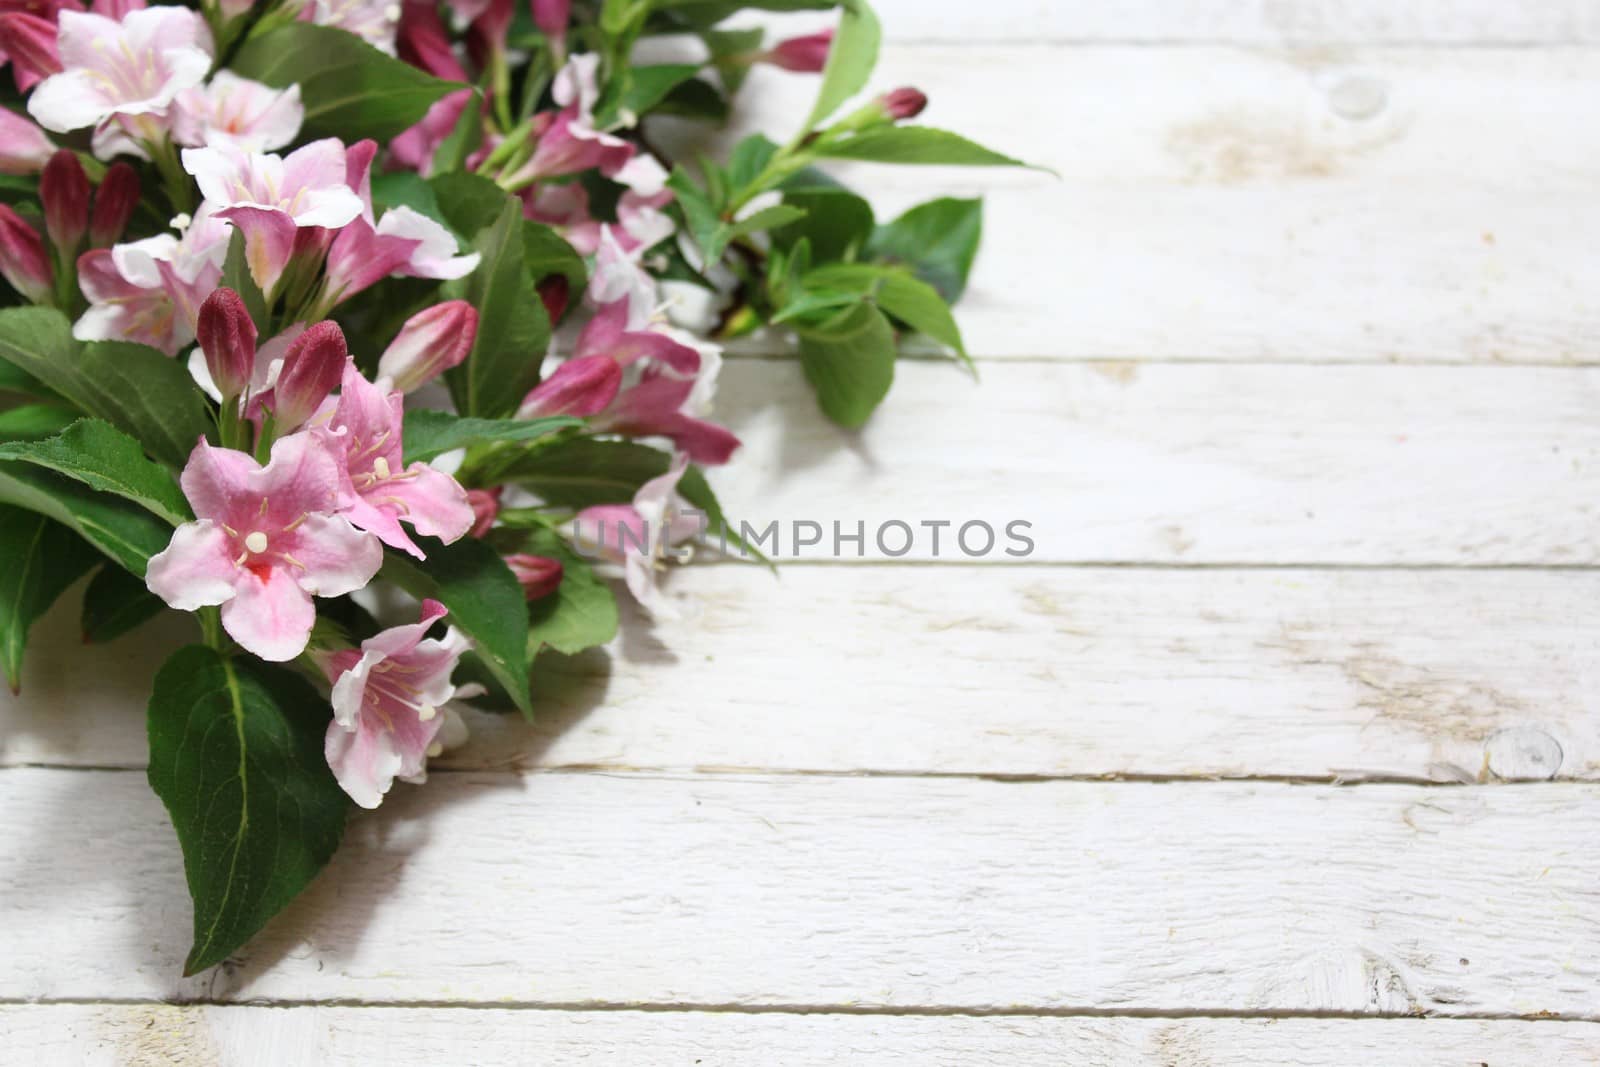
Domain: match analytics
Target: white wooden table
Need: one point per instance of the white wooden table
(1282, 748)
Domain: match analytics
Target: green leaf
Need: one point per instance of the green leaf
(13, 379)
(915, 144)
(127, 533)
(236, 276)
(850, 61)
(700, 214)
(850, 363)
(430, 433)
(648, 86)
(695, 99)
(350, 89)
(729, 51)
(114, 603)
(545, 252)
(583, 471)
(768, 218)
(41, 560)
(485, 602)
(33, 421)
(513, 328)
(911, 300)
(837, 222)
(405, 188)
(104, 458)
(937, 240)
(581, 613)
(137, 389)
(749, 159)
(468, 203)
(236, 755)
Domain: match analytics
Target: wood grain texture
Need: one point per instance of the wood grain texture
(1189, 464)
(1431, 675)
(1282, 205)
(161, 1035)
(1445, 22)
(574, 890)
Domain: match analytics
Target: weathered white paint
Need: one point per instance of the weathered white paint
(563, 889)
(1190, 464)
(228, 1036)
(1319, 22)
(1223, 204)
(1013, 671)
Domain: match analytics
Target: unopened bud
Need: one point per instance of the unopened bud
(554, 292)
(311, 370)
(227, 336)
(24, 149)
(30, 43)
(551, 16)
(485, 504)
(64, 192)
(114, 203)
(902, 104)
(430, 343)
(803, 55)
(581, 387)
(23, 259)
(539, 576)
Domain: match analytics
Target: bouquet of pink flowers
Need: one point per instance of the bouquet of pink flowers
(285, 280)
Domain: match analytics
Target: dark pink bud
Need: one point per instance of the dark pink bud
(803, 55)
(581, 387)
(23, 259)
(423, 41)
(24, 149)
(30, 42)
(487, 34)
(902, 104)
(311, 370)
(551, 16)
(539, 576)
(430, 343)
(114, 202)
(485, 509)
(64, 192)
(227, 336)
(554, 292)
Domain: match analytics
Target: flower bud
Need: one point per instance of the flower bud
(551, 16)
(582, 387)
(30, 42)
(554, 292)
(64, 192)
(539, 576)
(430, 343)
(23, 259)
(24, 148)
(485, 505)
(311, 370)
(227, 336)
(803, 55)
(114, 203)
(902, 104)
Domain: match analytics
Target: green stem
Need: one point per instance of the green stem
(179, 188)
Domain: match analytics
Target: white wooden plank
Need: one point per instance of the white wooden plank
(573, 890)
(1010, 671)
(1226, 204)
(1024, 22)
(230, 1036)
(1187, 464)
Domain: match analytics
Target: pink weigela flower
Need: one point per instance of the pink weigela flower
(389, 713)
(364, 428)
(271, 198)
(265, 541)
(641, 535)
(123, 74)
(252, 116)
